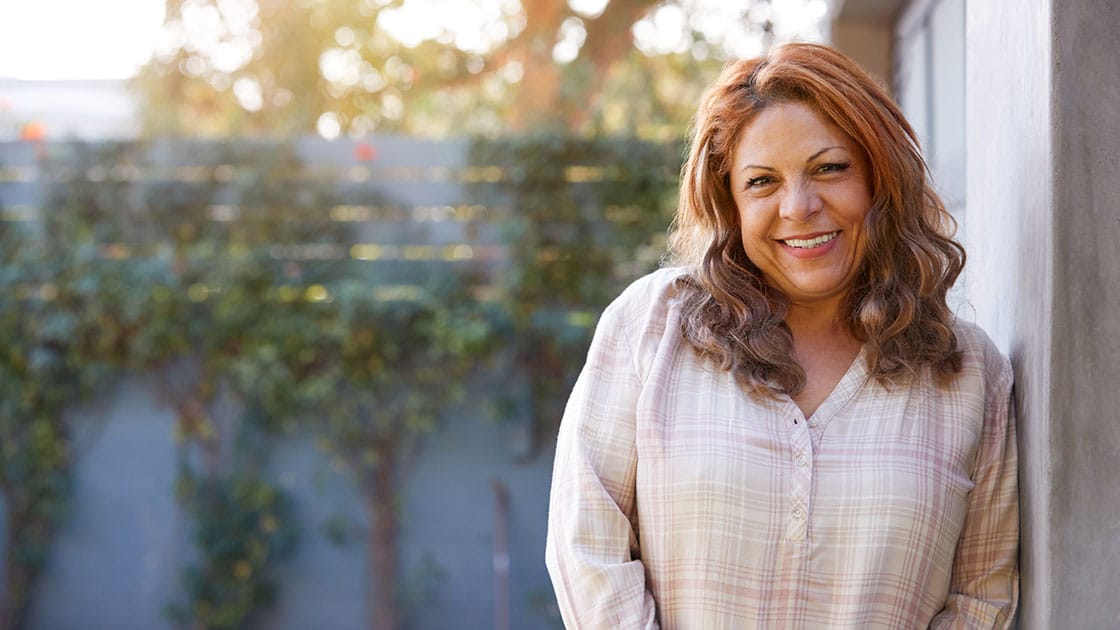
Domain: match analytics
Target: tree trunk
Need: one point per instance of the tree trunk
(381, 506)
(609, 39)
(538, 97)
(17, 574)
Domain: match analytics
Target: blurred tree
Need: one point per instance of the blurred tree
(586, 217)
(388, 372)
(231, 310)
(66, 311)
(465, 67)
(181, 260)
(178, 270)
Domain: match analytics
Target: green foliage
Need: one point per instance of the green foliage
(584, 218)
(63, 318)
(242, 525)
(542, 603)
(182, 279)
(134, 265)
(420, 590)
(395, 365)
(127, 268)
(376, 377)
(248, 324)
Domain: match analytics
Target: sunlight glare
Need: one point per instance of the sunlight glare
(328, 126)
(724, 26)
(113, 38)
(77, 39)
(248, 93)
(588, 8)
(470, 23)
(664, 32)
(572, 36)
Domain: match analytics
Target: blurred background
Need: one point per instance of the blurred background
(292, 293)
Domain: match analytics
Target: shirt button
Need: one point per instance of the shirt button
(798, 514)
(801, 460)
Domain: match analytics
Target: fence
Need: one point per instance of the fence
(409, 202)
(403, 199)
(539, 223)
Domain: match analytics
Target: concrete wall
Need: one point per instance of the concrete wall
(864, 30)
(117, 561)
(1085, 368)
(1010, 244)
(869, 43)
(1043, 198)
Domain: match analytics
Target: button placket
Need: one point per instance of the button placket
(801, 480)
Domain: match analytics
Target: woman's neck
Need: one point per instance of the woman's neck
(817, 323)
(824, 347)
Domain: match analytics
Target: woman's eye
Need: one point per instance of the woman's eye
(834, 167)
(755, 182)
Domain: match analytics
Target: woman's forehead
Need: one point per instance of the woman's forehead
(789, 130)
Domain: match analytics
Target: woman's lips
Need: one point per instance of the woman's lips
(810, 240)
(809, 245)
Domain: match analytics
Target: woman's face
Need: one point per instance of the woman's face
(802, 189)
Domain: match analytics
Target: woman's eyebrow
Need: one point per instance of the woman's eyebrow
(823, 151)
(810, 159)
(758, 166)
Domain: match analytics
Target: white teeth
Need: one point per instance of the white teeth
(813, 242)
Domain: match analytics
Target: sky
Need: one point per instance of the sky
(77, 39)
(111, 39)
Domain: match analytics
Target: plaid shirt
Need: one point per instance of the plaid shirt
(679, 501)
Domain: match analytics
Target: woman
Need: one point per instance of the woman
(790, 429)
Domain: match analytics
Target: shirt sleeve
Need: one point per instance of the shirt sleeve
(592, 549)
(984, 584)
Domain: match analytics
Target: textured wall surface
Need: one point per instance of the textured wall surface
(869, 43)
(1010, 186)
(117, 561)
(1085, 497)
(1043, 82)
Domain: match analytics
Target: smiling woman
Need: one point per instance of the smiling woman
(789, 429)
(891, 294)
(802, 189)
(801, 186)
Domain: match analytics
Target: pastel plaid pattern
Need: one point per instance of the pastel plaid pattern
(680, 502)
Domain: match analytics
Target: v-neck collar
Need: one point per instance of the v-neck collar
(849, 384)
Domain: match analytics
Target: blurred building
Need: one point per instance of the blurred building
(62, 110)
(917, 49)
(1016, 105)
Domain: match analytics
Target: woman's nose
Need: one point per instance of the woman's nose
(800, 202)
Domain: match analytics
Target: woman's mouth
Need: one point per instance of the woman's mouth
(810, 243)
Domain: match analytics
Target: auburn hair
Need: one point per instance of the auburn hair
(897, 303)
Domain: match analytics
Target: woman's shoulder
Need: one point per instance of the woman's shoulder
(655, 290)
(647, 309)
(979, 351)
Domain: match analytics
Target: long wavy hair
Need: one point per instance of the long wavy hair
(896, 305)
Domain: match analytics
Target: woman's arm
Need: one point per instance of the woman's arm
(592, 553)
(984, 585)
